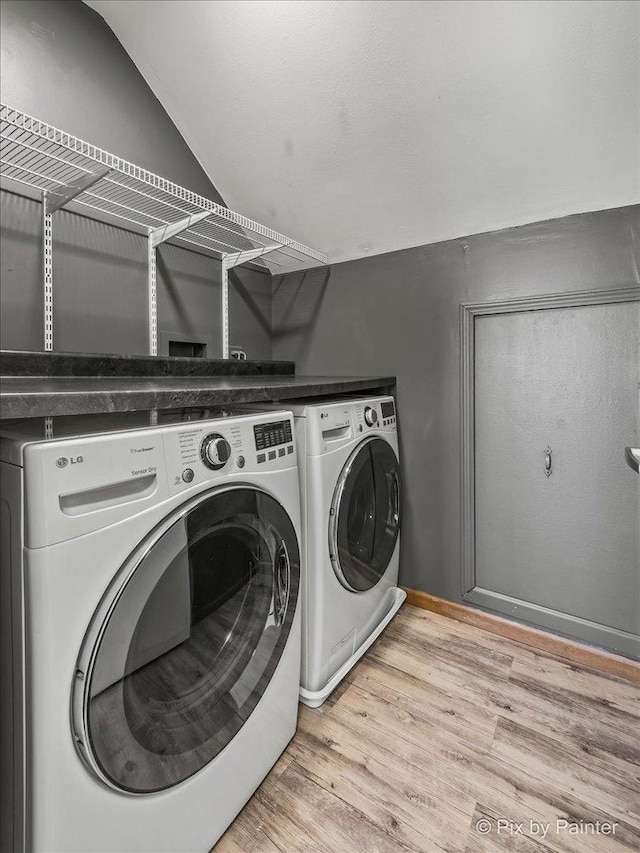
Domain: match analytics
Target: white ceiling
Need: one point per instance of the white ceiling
(364, 127)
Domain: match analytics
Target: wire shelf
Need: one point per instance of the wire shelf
(73, 172)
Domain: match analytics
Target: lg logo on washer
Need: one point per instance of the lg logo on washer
(62, 461)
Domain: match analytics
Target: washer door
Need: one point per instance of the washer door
(186, 640)
(364, 519)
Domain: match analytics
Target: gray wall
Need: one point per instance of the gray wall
(399, 314)
(62, 63)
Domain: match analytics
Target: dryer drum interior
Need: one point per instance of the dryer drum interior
(365, 515)
(194, 632)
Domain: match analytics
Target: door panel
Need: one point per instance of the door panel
(565, 380)
(187, 640)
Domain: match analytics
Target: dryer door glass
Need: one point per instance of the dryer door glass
(365, 517)
(186, 640)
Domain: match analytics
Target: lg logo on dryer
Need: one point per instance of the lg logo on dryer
(62, 461)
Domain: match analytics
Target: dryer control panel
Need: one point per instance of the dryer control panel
(332, 426)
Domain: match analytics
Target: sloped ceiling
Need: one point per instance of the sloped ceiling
(365, 127)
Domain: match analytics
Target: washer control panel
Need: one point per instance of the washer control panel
(273, 440)
(199, 452)
(272, 434)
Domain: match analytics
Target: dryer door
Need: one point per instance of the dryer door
(186, 640)
(364, 519)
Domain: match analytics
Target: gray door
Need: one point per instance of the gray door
(557, 506)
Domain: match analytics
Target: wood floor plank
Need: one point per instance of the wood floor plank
(592, 722)
(440, 725)
(469, 647)
(276, 814)
(511, 790)
(361, 784)
(567, 677)
(445, 627)
(585, 708)
(546, 759)
(309, 807)
(360, 771)
(597, 659)
(449, 712)
(432, 669)
(463, 656)
(498, 838)
(248, 833)
(607, 749)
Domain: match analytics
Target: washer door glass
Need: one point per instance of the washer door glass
(365, 515)
(186, 640)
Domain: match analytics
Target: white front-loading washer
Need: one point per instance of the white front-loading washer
(350, 494)
(151, 628)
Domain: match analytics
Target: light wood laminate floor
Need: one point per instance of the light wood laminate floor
(441, 731)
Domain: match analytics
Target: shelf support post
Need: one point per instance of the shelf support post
(47, 273)
(225, 308)
(152, 296)
(230, 260)
(155, 238)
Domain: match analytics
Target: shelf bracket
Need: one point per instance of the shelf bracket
(155, 238)
(230, 260)
(166, 232)
(55, 199)
(236, 259)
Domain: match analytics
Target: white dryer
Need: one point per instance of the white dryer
(350, 493)
(151, 628)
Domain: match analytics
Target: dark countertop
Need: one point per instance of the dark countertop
(29, 363)
(50, 396)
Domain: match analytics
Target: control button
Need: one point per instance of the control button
(240, 461)
(370, 416)
(215, 451)
(290, 448)
(261, 457)
(188, 475)
(281, 451)
(272, 454)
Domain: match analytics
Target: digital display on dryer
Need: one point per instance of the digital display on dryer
(272, 434)
(388, 409)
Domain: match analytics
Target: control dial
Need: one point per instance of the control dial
(215, 451)
(370, 416)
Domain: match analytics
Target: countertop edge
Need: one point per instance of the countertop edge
(33, 404)
(29, 363)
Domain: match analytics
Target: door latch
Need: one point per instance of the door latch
(632, 455)
(547, 462)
